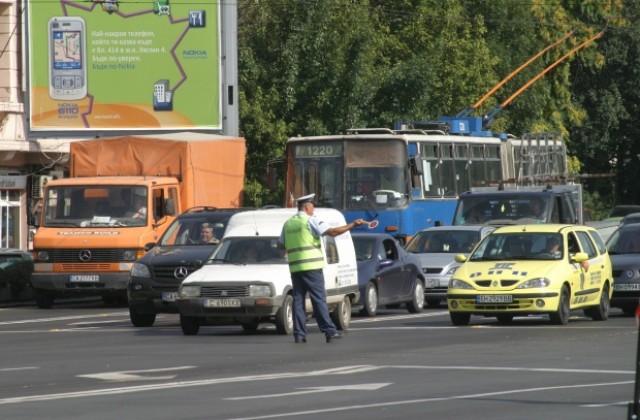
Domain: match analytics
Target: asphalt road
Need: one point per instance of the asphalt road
(85, 360)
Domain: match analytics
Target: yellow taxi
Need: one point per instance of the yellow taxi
(533, 269)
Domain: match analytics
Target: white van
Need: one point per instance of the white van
(247, 279)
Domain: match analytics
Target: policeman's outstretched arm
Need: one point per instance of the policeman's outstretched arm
(339, 230)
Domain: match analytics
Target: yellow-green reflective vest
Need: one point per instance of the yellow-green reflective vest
(303, 249)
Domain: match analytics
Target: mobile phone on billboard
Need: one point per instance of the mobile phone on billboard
(67, 58)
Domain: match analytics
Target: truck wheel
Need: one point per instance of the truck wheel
(141, 319)
(370, 300)
(190, 325)
(284, 317)
(416, 304)
(44, 299)
(341, 315)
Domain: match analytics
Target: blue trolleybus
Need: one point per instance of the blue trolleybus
(407, 179)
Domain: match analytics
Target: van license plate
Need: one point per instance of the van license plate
(169, 296)
(494, 299)
(84, 278)
(222, 303)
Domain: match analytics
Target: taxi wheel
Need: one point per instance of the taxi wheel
(141, 319)
(284, 317)
(370, 300)
(505, 318)
(561, 316)
(600, 312)
(416, 304)
(190, 325)
(459, 318)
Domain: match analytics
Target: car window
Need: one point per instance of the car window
(572, 243)
(587, 244)
(389, 250)
(602, 248)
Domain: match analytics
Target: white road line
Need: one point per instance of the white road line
(425, 400)
(62, 318)
(18, 368)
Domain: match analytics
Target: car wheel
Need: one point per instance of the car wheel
(433, 303)
(250, 327)
(459, 319)
(601, 311)
(284, 317)
(370, 300)
(504, 318)
(44, 299)
(190, 325)
(417, 302)
(141, 319)
(341, 315)
(561, 316)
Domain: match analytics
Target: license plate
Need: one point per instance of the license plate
(494, 299)
(431, 283)
(623, 287)
(169, 296)
(222, 303)
(84, 278)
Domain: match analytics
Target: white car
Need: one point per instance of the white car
(247, 279)
(436, 247)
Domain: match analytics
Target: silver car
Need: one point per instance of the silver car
(436, 247)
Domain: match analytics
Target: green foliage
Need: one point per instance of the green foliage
(317, 67)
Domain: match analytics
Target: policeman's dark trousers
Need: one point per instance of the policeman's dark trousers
(312, 282)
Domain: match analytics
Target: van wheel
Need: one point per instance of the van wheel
(341, 315)
(561, 316)
(190, 325)
(601, 311)
(284, 317)
(370, 300)
(141, 319)
(44, 299)
(416, 304)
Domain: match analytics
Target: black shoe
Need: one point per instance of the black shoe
(334, 336)
(300, 339)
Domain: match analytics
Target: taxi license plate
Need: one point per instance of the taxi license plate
(494, 299)
(222, 303)
(431, 283)
(624, 287)
(84, 278)
(169, 296)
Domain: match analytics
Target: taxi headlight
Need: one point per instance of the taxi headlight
(259, 290)
(140, 270)
(459, 284)
(189, 291)
(538, 283)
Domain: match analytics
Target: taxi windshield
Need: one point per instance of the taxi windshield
(520, 246)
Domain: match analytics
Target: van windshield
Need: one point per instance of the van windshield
(249, 250)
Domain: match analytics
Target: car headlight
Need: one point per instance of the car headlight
(459, 284)
(189, 291)
(452, 270)
(259, 290)
(140, 270)
(535, 283)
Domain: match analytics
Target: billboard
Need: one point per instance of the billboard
(122, 65)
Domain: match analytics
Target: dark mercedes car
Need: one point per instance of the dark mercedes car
(182, 249)
(387, 274)
(624, 251)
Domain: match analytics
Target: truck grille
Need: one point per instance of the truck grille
(225, 291)
(97, 255)
(166, 273)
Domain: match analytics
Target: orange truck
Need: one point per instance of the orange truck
(123, 192)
